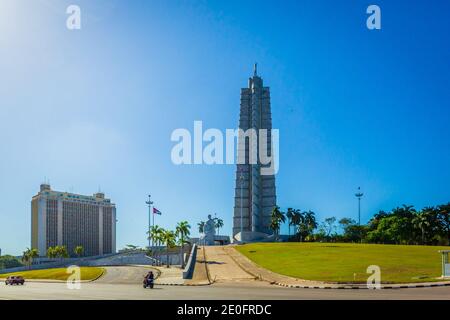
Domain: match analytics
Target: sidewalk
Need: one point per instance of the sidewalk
(169, 276)
(223, 268)
(286, 281)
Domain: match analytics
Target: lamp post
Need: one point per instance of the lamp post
(149, 202)
(241, 178)
(359, 195)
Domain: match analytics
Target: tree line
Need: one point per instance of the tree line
(168, 238)
(52, 253)
(401, 225)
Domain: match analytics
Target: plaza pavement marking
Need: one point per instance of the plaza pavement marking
(172, 276)
(222, 267)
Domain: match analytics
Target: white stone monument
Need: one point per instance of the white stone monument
(209, 232)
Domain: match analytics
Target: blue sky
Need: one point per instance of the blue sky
(96, 107)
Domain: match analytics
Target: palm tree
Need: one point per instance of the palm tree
(308, 225)
(182, 231)
(290, 217)
(297, 220)
(201, 226)
(78, 251)
(51, 252)
(168, 238)
(61, 252)
(219, 224)
(277, 218)
(153, 234)
(28, 256)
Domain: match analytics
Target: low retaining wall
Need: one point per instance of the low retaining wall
(116, 259)
(190, 265)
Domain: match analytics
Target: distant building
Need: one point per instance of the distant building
(67, 219)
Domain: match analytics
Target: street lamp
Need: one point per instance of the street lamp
(241, 178)
(149, 202)
(359, 195)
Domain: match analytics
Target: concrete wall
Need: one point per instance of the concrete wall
(189, 269)
(105, 260)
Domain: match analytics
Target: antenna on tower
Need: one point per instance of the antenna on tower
(255, 69)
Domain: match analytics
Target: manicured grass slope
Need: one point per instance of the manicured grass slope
(342, 262)
(87, 273)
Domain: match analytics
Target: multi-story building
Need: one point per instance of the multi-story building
(71, 220)
(255, 194)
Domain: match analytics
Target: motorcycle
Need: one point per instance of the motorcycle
(148, 283)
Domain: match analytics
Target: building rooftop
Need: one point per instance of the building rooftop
(96, 198)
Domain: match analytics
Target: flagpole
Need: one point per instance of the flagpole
(149, 202)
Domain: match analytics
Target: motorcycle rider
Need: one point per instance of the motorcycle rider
(149, 277)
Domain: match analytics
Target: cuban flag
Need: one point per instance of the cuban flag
(156, 211)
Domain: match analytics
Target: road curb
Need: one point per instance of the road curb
(184, 284)
(361, 287)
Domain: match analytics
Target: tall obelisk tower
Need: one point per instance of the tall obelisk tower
(255, 194)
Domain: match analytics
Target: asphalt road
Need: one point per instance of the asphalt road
(220, 291)
(125, 283)
(124, 275)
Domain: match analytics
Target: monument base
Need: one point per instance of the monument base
(250, 236)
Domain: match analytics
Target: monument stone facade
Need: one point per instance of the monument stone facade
(255, 194)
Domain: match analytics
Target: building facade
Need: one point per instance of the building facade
(71, 220)
(255, 194)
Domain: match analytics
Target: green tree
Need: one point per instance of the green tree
(182, 231)
(444, 220)
(131, 247)
(28, 256)
(61, 252)
(51, 252)
(345, 223)
(329, 226)
(307, 226)
(297, 220)
(8, 261)
(153, 235)
(78, 251)
(168, 238)
(290, 216)
(277, 217)
(218, 224)
(201, 226)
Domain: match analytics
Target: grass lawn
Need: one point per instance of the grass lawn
(87, 273)
(343, 262)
